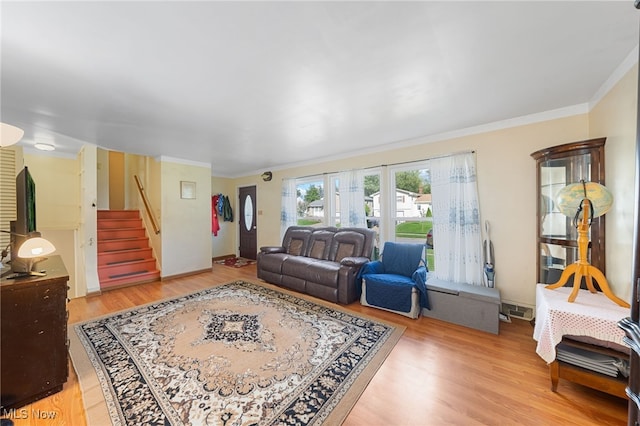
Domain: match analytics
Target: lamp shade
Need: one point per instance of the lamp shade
(35, 247)
(9, 135)
(569, 199)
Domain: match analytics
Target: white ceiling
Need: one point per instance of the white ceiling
(252, 86)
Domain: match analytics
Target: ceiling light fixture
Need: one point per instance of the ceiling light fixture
(9, 135)
(44, 146)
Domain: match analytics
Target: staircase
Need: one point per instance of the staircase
(124, 255)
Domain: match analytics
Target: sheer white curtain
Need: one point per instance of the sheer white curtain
(351, 190)
(289, 211)
(457, 235)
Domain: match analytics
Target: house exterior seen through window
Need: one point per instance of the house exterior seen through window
(412, 217)
(407, 218)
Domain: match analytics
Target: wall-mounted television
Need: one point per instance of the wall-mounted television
(25, 217)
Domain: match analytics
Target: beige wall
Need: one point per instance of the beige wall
(86, 247)
(65, 242)
(58, 206)
(57, 190)
(134, 165)
(224, 243)
(151, 184)
(116, 180)
(138, 165)
(102, 174)
(615, 117)
(185, 223)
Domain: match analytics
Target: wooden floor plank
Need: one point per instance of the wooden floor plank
(438, 373)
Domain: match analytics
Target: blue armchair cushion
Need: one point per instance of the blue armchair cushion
(389, 291)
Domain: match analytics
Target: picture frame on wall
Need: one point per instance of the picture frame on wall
(187, 190)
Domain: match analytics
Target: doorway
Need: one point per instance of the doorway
(116, 180)
(247, 223)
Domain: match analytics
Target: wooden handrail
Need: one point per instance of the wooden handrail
(143, 194)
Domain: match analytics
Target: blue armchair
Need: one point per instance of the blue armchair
(396, 283)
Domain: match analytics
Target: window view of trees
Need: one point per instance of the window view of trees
(314, 193)
(413, 181)
(371, 184)
(310, 202)
(413, 214)
(409, 221)
(371, 187)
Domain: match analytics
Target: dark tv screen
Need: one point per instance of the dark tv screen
(25, 217)
(26, 202)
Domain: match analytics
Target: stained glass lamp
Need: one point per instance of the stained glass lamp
(584, 201)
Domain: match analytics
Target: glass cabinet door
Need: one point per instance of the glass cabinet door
(558, 167)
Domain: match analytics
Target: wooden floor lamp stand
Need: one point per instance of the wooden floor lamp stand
(582, 268)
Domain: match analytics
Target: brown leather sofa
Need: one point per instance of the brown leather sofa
(322, 262)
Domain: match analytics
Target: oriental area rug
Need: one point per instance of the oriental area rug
(235, 354)
(235, 262)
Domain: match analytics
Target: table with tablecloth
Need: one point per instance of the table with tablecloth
(591, 315)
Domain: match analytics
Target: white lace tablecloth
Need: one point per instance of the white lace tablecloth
(592, 315)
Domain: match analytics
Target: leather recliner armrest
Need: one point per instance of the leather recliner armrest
(272, 249)
(354, 261)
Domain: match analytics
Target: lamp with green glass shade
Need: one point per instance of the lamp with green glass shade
(584, 201)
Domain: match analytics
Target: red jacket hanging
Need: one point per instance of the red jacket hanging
(215, 225)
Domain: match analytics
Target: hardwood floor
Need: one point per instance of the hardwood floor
(438, 373)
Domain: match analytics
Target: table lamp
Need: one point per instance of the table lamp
(33, 248)
(584, 201)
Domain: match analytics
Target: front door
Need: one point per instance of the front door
(247, 223)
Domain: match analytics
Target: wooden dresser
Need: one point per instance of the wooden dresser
(33, 334)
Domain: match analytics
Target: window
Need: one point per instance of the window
(311, 203)
(372, 206)
(397, 204)
(411, 217)
(333, 206)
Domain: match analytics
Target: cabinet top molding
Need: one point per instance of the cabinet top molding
(569, 147)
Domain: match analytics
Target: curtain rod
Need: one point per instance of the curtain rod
(395, 164)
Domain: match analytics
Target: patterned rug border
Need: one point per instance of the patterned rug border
(235, 262)
(96, 410)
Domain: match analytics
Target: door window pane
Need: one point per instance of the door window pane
(248, 213)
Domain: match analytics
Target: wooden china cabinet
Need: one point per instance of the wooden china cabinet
(557, 236)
